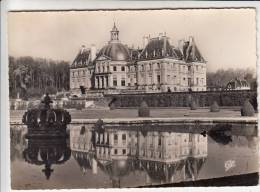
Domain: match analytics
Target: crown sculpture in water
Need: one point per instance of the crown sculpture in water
(45, 121)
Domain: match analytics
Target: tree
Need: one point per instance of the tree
(32, 76)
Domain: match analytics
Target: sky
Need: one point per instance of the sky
(225, 37)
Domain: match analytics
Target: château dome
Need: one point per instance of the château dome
(116, 51)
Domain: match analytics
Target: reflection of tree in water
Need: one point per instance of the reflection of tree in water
(221, 133)
(244, 141)
(47, 152)
(18, 142)
(240, 136)
(252, 142)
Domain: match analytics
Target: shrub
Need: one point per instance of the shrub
(143, 110)
(214, 107)
(193, 105)
(247, 109)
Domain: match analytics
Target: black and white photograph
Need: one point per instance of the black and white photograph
(133, 98)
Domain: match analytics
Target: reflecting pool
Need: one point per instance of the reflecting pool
(132, 155)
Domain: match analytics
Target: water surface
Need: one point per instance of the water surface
(132, 156)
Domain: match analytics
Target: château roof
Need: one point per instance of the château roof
(83, 58)
(191, 52)
(156, 48)
(115, 51)
(160, 47)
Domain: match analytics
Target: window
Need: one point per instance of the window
(115, 151)
(184, 79)
(159, 141)
(103, 69)
(190, 138)
(150, 66)
(158, 65)
(73, 74)
(107, 68)
(122, 68)
(124, 137)
(123, 82)
(168, 78)
(114, 68)
(115, 139)
(197, 67)
(114, 81)
(189, 68)
(197, 80)
(158, 79)
(124, 151)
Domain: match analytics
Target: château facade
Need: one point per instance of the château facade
(157, 67)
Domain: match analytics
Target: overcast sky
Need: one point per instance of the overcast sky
(225, 37)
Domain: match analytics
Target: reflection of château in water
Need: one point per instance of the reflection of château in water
(47, 152)
(163, 156)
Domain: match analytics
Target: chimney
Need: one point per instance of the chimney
(170, 40)
(93, 52)
(145, 41)
(160, 36)
(164, 46)
(191, 40)
(82, 49)
(180, 45)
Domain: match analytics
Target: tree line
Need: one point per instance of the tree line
(221, 77)
(32, 77)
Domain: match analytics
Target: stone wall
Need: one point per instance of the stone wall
(183, 99)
